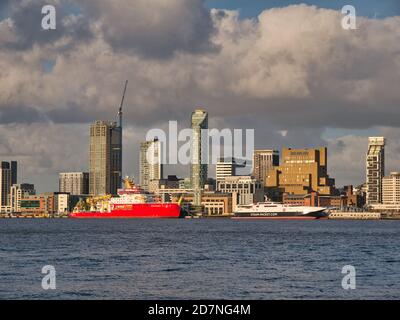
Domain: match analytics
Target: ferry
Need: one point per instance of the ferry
(275, 210)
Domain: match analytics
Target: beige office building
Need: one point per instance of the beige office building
(302, 171)
(105, 160)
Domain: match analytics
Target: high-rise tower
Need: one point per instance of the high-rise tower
(198, 169)
(375, 169)
(105, 169)
(151, 167)
(5, 183)
(8, 177)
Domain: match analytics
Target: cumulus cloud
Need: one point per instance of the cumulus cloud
(291, 60)
(24, 28)
(154, 29)
(33, 140)
(294, 69)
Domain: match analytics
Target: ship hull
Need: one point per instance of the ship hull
(135, 211)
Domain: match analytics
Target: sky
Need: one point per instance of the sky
(367, 8)
(272, 66)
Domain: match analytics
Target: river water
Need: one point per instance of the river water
(199, 259)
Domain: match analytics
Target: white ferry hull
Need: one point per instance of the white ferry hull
(279, 211)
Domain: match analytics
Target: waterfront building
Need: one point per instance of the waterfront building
(391, 189)
(302, 171)
(47, 203)
(310, 199)
(214, 203)
(355, 197)
(151, 167)
(18, 192)
(8, 175)
(348, 198)
(198, 169)
(35, 204)
(388, 209)
(227, 167)
(375, 169)
(244, 189)
(62, 203)
(263, 162)
(74, 183)
(105, 160)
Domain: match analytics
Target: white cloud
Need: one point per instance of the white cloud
(153, 29)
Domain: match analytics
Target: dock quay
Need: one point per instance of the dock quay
(349, 215)
(31, 216)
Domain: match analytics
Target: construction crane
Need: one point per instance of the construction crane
(120, 129)
(121, 105)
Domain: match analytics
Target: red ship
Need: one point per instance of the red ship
(132, 202)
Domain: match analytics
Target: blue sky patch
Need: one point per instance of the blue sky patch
(370, 8)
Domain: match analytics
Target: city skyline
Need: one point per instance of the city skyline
(248, 65)
(299, 177)
(211, 173)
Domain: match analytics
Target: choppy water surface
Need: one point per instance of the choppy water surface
(199, 259)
